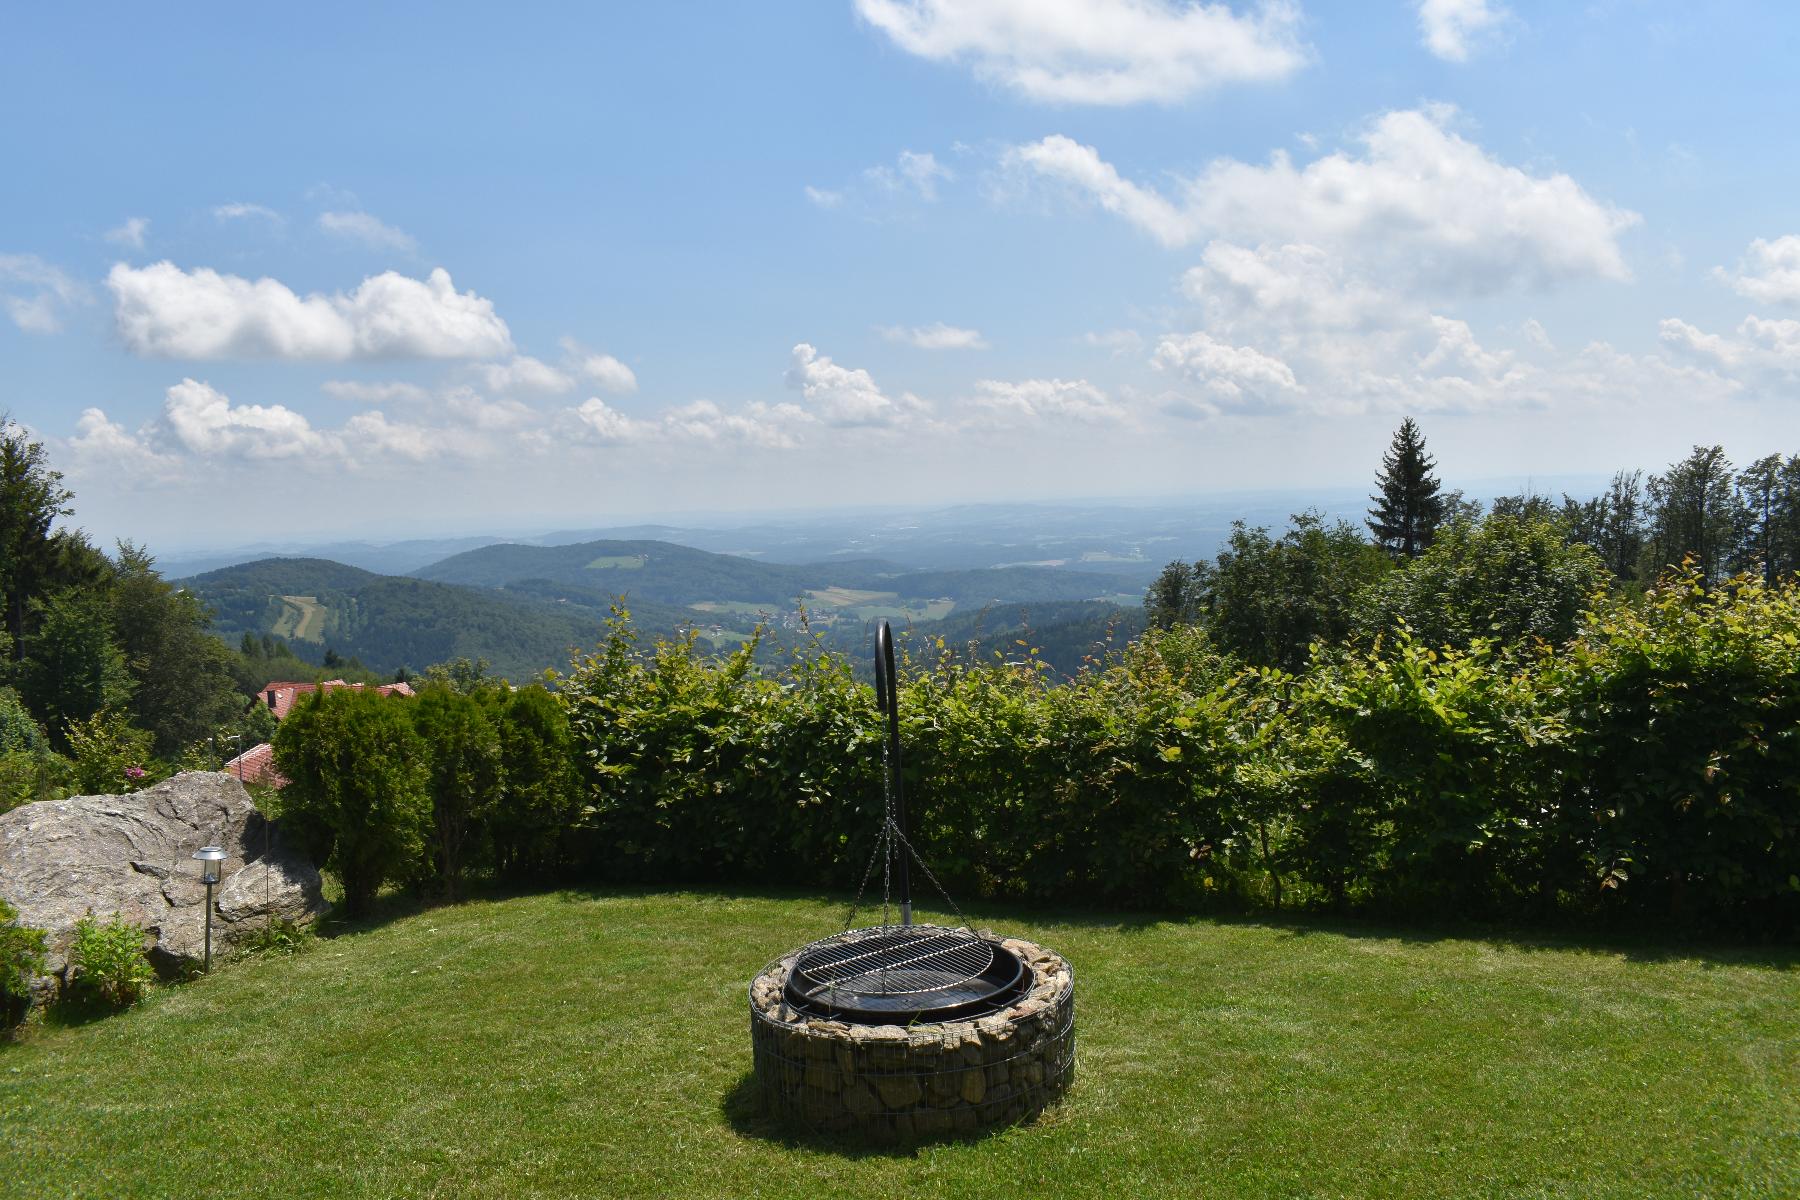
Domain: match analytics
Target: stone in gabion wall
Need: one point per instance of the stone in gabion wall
(908, 1083)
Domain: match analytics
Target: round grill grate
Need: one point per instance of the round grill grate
(898, 974)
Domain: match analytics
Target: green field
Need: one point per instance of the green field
(749, 608)
(909, 610)
(843, 597)
(596, 1044)
(302, 619)
(618, 562)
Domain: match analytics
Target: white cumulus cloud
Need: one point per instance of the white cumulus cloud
(839, 395)
(602, 370)
(1231, 373)
(771, 426)
(1099, 51)
(524, 375)
(1769, 272)
(163, 311)
(605, 423)
(205, 422)
(1289, 285)
(366, 392)
(368, 230)
(936, 336)
(1419, 202)
(1453, 29)
(1046, 399)
(131, 233)
(1762, 346)
(199, 423)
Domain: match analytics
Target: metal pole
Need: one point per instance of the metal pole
(210, 880)
(887, 695)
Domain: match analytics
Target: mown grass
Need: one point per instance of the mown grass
(596, 1044)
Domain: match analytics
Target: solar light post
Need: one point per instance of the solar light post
(210, 857)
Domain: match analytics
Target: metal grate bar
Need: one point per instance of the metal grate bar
(949, 964)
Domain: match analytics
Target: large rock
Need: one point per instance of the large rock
(130, 854)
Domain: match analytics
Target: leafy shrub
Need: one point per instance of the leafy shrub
(21, 962)
(107, 963)
(27, 776)
(704, 769)
(1680, 794)
(110, 757)
(1506, 579)
(356, 797)
(278, 939)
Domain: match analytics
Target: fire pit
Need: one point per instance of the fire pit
(905, 1032)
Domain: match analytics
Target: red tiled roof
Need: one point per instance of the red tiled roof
(256, 765)
(280, 695)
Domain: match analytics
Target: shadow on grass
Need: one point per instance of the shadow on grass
(1633, 943)
(743, 1109)
(77, 1009)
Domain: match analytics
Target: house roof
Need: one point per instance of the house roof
(256, 765)
(280, 695)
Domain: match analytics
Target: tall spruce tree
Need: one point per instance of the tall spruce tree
(1408, 508)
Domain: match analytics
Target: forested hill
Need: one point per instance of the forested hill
(388, 622)
(664, 573)
(524, 608)
(656, 571)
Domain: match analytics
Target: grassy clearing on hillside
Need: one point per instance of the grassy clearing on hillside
(618, 562)
(597, 1044)
(302, 619)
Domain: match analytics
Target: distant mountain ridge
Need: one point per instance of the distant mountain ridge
(666, 573)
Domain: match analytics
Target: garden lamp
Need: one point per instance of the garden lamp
(210, 857)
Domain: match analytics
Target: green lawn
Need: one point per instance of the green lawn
(545, 1046)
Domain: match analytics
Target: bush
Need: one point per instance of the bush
(702, 769)
(1680, 791)
(21, 963)
(533, 828)
(278, 939)
(110, 757)
(107, 963)
(356, 797)
(1106, 787)
(462, 776)
(27, 776)
(1506, 579)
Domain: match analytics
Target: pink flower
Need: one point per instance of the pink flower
(134, 772)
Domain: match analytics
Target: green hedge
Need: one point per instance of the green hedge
(1647, 769)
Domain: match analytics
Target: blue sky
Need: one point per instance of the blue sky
(359, 271)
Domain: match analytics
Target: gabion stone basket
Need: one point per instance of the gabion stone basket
(994, 1065)
(904, 1032)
